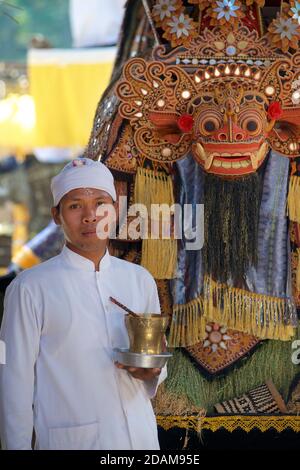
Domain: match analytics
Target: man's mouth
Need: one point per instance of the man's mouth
(89, 233)
(247, 160)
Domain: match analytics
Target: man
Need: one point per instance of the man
(60, 329)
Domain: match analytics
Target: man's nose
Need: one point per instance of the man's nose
(89, 216)
(231, 133)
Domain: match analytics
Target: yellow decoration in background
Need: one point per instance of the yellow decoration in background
(17, 124)
(20, 222)
(66, 86)
(25, 258)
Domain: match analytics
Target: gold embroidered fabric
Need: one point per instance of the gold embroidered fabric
(231, 423)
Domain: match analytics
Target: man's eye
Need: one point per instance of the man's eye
(74, 206)
(100, 203)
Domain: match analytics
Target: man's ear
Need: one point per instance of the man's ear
(116, 207)
(56, 215)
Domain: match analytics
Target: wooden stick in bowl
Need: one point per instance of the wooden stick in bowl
(116, 302)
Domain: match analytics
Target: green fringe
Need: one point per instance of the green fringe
(272, 360)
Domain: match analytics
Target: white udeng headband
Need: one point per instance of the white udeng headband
(82, 173)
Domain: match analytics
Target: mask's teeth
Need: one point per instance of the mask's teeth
(201, 152)
(254, 160)
(261, 151)
(257, 156)
(208, 162)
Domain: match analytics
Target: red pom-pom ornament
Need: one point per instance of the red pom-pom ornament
(275, 111)
(185, 123)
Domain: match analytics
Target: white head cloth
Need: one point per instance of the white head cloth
(82, 173)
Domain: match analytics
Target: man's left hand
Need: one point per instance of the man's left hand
(139, 372)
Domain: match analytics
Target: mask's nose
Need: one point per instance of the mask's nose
(231, 133)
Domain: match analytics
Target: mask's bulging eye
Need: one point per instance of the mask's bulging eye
(209, 126)
(251, 121)
(251, 126)
(209, 121)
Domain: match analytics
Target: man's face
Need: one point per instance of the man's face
(79, 214)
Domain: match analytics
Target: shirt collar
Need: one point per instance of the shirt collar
(80, 262)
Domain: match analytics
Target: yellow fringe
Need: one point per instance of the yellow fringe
(159, 256)
(230, 423)
(256, 314)
(294, 199)
(153, 187)
(187, 325)
(298, 271)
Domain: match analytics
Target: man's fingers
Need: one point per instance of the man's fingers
(120, 366)
(139, 372)
(130, 369)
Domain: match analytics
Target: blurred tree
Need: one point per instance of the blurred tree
(32, 17)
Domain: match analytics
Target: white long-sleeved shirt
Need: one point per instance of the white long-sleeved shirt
(60, 329)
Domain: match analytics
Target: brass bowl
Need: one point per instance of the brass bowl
(146, 333)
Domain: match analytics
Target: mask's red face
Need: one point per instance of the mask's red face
(231, 128)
